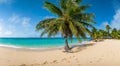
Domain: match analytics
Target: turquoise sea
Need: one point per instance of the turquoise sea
(36, 42)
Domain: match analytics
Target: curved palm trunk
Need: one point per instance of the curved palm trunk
(67, 48)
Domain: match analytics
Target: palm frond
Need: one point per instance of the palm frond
(86, 17)
(81, 26)
(52, 8)
(88, 25)
(45, 31)
(63, 4)
(44, 23)
(84, 7)
(78, 1)
(73, 28)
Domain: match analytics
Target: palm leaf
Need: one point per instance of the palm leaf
(88, 25)
(52, 8)
(78, 1)
(63, 4)
(44, 23)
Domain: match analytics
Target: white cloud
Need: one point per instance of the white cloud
(102, 26)
(1, 21)
(45, 17)
(17, 26)
(8, 33)
(5, 30)
(115, 23)
(105, 23)
(14, 18)
(49, 17)
(24, 21)
(0, 29)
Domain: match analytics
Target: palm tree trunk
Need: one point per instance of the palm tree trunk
(67, 48)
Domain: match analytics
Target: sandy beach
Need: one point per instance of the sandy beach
(104, 53)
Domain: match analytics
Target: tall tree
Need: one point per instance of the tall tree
(115, 34)
(108, 30)
(94, 34)
(71, 20)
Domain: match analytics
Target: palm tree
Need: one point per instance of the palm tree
(94, 34)
(114, 33)
(118, 34)
(71, 21)
(108, 30)
(101, 34)
(97, 34)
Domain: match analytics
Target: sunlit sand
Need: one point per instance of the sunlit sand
(104, 53)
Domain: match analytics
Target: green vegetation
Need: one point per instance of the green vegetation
(105, 34)
(115, 34)
(71, 21)
(98, 34)
(108, 30)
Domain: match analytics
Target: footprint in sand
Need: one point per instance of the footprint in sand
(11, 65)
(23, 65)
(54, 61)
(99, 59)
(8, 60)
(90, 62)
(76, 58)
(35, 64)
(79, 64)
(70, 57)
(45, 63)
(73, 56)
(63, 59)
(102, 56)
(68, 61)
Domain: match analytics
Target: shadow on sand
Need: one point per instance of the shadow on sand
(78, 48)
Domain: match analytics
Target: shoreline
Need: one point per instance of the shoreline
(29, 49)
(41, 48)
(38, 43)
(103, 53)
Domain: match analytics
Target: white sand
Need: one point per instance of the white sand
(105, 53)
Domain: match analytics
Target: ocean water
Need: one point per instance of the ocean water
(36, 42)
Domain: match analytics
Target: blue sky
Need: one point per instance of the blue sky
(18, 18)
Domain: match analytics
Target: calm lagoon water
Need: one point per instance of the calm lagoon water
(36, 42)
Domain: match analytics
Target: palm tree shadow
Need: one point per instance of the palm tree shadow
(98, 40)
(78, 48)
